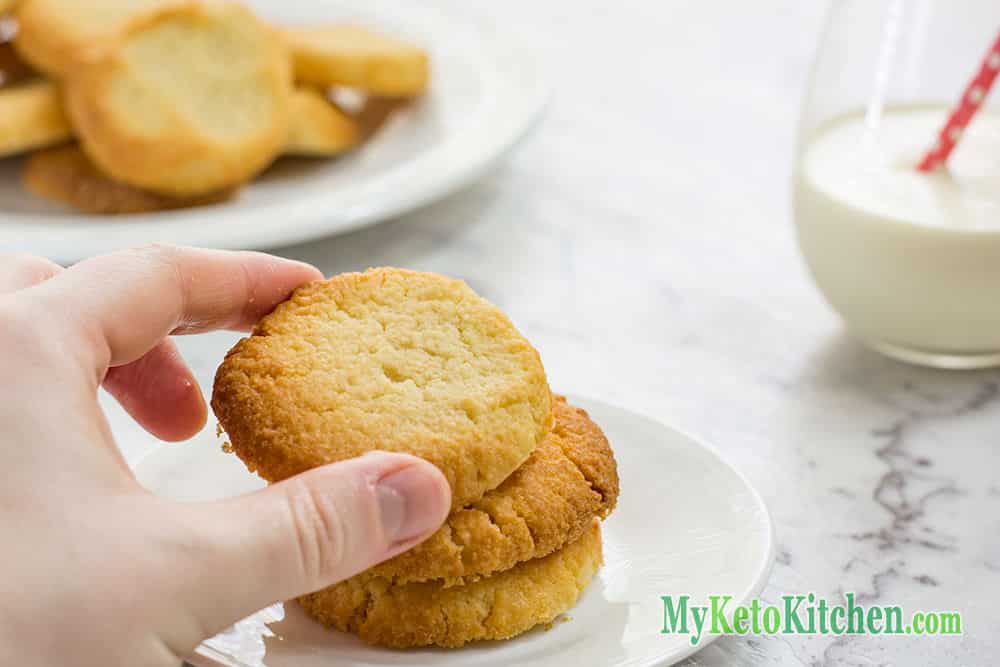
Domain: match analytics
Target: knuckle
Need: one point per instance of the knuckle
(28, 269)
(165, 261)
(159, 255)
(318, 532)
(159, 251)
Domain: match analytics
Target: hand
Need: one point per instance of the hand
(96, 571)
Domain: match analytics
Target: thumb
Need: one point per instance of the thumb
(310, 532)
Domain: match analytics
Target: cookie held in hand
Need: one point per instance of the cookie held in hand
(390, 360)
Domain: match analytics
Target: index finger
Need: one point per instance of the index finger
(125, 303)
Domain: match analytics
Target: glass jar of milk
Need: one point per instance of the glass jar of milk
(910, 260)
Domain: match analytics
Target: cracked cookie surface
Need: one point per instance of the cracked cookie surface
(548, 502)
(389, 360)
(497, 607)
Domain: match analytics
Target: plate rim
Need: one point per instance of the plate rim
(763, 572)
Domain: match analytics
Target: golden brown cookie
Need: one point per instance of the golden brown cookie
(192, 100)
(347, 55)
(31, 116)
(498, 607)
(66, 175)
(57, 35)
(390, 360)
(319, 128)
(570, 478)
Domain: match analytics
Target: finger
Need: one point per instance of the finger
(160, 392)
(310, 532)
(20, 271)
(127, 302)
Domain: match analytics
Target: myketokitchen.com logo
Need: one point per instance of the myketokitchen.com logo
(805, 614)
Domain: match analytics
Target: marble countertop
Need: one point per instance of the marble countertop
(642, 239)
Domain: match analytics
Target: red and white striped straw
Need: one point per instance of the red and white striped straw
(972, 100)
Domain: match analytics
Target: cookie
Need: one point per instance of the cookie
(570, 478)
(357, 57)
(390, 360)
(319, 128)
(55, 36)
(498, 607)
(12, 69)
(31, 117)
(371, 113)
(192, 100)
(66, 175)
(376, 112)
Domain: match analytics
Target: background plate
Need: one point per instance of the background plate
(486, 92)
(686, 523)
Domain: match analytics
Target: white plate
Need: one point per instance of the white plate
(686, 523)
(486, 92)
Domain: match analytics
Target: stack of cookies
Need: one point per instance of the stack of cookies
(401, 361)
(130, 106)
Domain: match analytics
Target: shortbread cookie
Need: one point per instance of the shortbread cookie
(193, 100)
(390, 360)
(357, 57)
(66, 175)
(31, 116)
(498, 607)
(319, 128)
(57, 35)
(570, 478)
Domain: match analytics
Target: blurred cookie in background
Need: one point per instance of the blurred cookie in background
(357, 57)
(31, 117)
(65, 174)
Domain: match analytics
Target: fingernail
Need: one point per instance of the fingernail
(410, 503)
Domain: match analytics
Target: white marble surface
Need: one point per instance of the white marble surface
(642, 239)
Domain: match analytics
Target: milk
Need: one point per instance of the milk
(910, 260)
